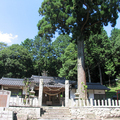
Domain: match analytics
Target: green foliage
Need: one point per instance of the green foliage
(115, 49)
(76, 16)
(43, 55)
(27, 82)
(69, 62)
(2, 45)
(112, 91)
(84, 87)
(79, 18)
(59, 46)
(28, 44)
(15, 62)
(97, 51)
(110, 68)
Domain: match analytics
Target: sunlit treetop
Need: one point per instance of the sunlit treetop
(77, 16)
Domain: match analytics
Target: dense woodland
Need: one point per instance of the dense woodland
(59, 57)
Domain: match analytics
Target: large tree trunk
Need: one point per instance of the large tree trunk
(100, 74)
(81, 69)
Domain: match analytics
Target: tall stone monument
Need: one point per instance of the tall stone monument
(40, 91)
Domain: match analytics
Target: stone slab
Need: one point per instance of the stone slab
(4, 98)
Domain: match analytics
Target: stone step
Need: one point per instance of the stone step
(56, 110)
(54, 119)
(55, 113)
(53, 108)
(61, 118)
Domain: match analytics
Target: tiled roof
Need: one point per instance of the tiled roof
(96, 86)
(51, 81)
(48, 81)
(11, 81)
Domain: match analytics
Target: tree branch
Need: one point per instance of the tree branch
(86, 19)
(96, 22)
(87, 15)
(83, 3)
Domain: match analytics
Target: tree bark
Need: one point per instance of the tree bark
(89, 75)
(109, 81)
(100, 74)
(81, 78)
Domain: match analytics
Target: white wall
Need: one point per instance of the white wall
(72, 93)
(91, 94)
(99, 91)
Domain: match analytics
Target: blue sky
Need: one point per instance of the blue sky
(19, 18)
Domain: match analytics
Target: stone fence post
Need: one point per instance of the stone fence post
(66, 93)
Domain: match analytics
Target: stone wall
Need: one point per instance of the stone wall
(6, 115)
(94, 113)
(24, 113)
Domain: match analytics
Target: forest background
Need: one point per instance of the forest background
(59, 57)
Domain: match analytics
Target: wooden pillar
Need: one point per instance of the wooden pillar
(40, 91)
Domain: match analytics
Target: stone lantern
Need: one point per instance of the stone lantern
(32, 92)
(77, 95)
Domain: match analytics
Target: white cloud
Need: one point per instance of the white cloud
(7, 38)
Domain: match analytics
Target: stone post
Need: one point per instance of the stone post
(66, 93)
(40, 91)
(2, 88)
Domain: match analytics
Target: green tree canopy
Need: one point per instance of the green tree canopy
(16, 62)
(115, 50)
(69, 62)
(78, 17)
(2, 45)
(60, 44)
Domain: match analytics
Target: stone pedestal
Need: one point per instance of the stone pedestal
(67, 93)
(40, 91)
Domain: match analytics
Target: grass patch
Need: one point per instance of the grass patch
(112, 91)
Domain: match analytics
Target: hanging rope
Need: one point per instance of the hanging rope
(52, 94)
(53, 89)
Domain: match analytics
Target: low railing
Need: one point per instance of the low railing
(34, 102)
(94, 103)
(17, 101)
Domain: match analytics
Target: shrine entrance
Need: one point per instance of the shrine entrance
(53, 96)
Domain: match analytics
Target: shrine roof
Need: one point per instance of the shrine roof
(47, 81)
(51, 81)
(96, 86)
(11, 81)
